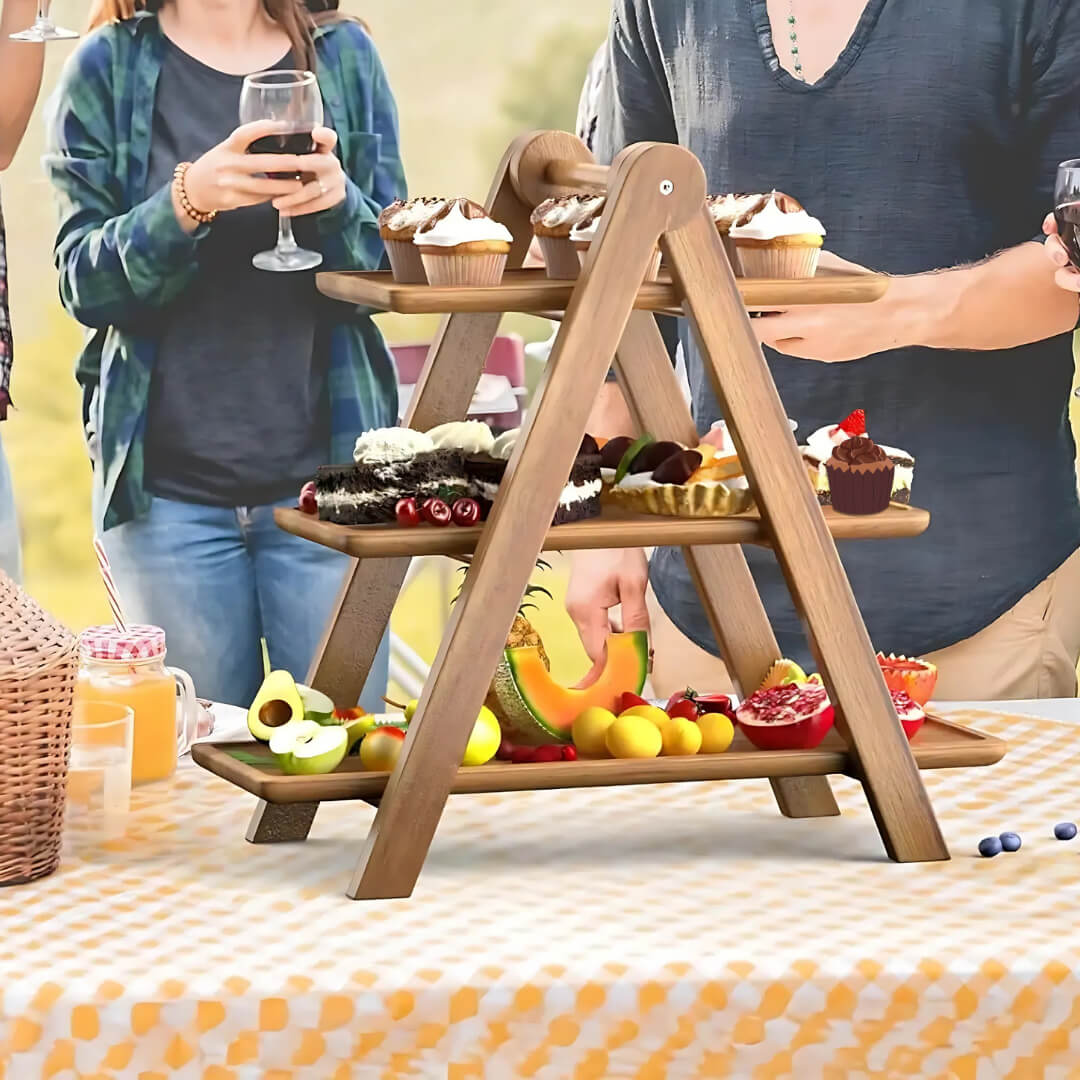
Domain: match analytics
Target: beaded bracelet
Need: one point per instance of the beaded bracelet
(199, 216)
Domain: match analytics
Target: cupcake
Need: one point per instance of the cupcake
(397, 227)
(860, 476)
(552, 221)
(777, 238)
(725, 210)
(461, 245)
(584, 232)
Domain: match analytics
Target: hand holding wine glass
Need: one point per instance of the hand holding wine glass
(1062, 228)
(322, 176)
(229, 176)
(291, 99)
(43, 28)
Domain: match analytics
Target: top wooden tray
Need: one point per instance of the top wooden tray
(534, 291)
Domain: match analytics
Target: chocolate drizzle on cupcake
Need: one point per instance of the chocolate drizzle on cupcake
(859, 450)
(860, 476)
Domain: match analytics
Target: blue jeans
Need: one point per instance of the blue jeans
(10, 556)
(216, 580)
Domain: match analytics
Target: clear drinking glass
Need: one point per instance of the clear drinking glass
(44, 29)
(99, 772)
(1067, 207)
(292, 100)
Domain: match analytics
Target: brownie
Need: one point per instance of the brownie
(580, 498)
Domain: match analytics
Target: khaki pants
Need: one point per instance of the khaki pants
(1029, 652)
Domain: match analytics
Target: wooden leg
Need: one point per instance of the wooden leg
(803, 544)
(536, 474)
(281, 823)
(723, 580)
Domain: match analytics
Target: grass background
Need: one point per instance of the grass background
(468, 77)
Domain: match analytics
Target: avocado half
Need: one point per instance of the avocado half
(276, 704)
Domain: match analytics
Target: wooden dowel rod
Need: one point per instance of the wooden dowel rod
(577, 174)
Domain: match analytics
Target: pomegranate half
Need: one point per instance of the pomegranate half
(910, 712)
(916, 677)
(796, 716)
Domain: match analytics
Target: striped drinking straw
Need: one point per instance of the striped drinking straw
(110, 585)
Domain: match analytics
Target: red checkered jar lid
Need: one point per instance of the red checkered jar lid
(138, 642)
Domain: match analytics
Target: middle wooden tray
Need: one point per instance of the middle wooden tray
(249, 765)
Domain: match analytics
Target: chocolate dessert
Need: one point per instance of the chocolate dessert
(860, 476)
(367, 493)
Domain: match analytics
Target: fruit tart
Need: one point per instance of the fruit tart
(659, 477)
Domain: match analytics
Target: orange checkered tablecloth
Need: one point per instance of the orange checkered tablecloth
(683, 931)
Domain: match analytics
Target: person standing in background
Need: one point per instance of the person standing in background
(21, 65)
(213, 390)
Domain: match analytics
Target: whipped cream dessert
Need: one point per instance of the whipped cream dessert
(584, 232)
(504, 445)
(400, 220)
(778, 215)
(558, 216)
(383, 445)
(725, 210)
(469, 436)
(461, 221)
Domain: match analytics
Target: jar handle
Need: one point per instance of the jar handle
(188, 728)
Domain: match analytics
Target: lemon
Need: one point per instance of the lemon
(717, 731)
(590, 728)
(484, 740)
(652, 713)
(680, 736)
(633, 736)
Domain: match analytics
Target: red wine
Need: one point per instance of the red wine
(1067, 217)
(285, 142)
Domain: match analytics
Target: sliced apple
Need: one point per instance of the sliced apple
(317, 706)
(307, 748)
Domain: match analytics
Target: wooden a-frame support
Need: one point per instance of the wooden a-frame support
(655, 195)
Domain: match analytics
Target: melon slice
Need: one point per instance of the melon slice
(534, 709)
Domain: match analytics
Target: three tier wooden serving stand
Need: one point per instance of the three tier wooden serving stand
(656, 196)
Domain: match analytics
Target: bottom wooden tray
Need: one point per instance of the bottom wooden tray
(249, 765)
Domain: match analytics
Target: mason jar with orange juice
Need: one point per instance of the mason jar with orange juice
(127, 667)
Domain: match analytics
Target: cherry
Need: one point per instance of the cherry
(406, 512)
(308, 502)
(465, 512)
(552, 752)
(505, 751)
(435, 512)
(523, 755)
(569, 753)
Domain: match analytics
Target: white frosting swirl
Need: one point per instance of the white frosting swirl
(569, 211)
(726, 209)
(505, 443)
(390, 444)
(770, 222)
(821, 442)
(585, 231)
(469, 436)
(455, 228)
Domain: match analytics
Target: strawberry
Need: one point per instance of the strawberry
(854, 423)
(628, 701)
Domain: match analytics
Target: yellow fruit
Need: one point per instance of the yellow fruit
(410, 708)
(380, 749)
(680, 736)
(717, 731)
(633, 737)
(653, 713)
(484, 740)
(590, 728)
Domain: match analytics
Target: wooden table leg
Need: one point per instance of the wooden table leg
(724, 583)
(281, 823)
(803, 545)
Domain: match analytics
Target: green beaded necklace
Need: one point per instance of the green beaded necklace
(793, 35)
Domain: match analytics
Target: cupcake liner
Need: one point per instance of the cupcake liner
(683, 500)
(732, 251)
(651, 272)
(452, 269)
(786, 261)
(560, 257)
(405, 262)
(861, 490)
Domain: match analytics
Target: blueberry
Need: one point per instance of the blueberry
(989, 847)
(1065, 831)
(1010, 841)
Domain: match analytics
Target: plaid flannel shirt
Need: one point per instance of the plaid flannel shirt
(123, 256)
(6, 350)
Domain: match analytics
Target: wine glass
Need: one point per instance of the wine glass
(44, 29)
(292, 100)
(1067, 207)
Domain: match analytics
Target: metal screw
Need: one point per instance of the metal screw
(666, 187)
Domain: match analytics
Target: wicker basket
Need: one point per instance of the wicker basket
(38, 662)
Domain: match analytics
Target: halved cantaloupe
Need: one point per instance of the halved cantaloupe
(534, 709)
